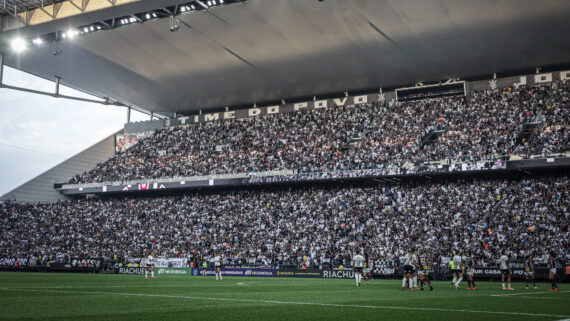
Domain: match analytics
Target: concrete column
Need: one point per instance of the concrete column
(57, 85)
(128, 114)
(151, 115)
(1, 67)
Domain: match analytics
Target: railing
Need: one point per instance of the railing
(254, 176)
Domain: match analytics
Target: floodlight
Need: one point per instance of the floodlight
(19, 45)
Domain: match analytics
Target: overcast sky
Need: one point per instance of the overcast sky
(38, 132)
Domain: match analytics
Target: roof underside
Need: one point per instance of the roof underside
(15, 6)
(268, 50)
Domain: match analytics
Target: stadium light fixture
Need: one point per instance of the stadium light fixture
(19, 44)
(71, 33)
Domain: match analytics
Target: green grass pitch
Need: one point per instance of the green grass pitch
(28, 296)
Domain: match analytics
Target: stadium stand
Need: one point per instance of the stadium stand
(280, 226)
(486, 125)
(408, 141)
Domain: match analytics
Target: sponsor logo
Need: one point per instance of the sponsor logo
(131, 270)
(172, 271)
(285, 273)
(261, 273)
(307, 273)
(235, 272)
(143, 186)
(332, 274)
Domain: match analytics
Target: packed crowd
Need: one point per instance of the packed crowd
(529, 216)
(554, 137)
(484, 125)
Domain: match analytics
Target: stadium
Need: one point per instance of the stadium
(298, 159)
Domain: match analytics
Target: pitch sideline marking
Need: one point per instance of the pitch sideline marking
(541, 297)
(380, 307)
(171, 286)
(115, 286)
(301, 284)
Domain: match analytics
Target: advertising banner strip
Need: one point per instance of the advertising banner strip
(236, 272)
(198, 271)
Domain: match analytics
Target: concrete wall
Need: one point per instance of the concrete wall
(143, 126)
(40, 188)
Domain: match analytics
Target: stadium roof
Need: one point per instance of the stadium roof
(11, 6)
(268, 50)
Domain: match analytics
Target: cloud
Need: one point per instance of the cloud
(38, 132)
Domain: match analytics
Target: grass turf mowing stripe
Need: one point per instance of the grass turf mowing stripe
(305, 303)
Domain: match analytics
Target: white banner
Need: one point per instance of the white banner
(165, 262)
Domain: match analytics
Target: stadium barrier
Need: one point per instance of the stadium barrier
(277, 177)
(92, 265)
